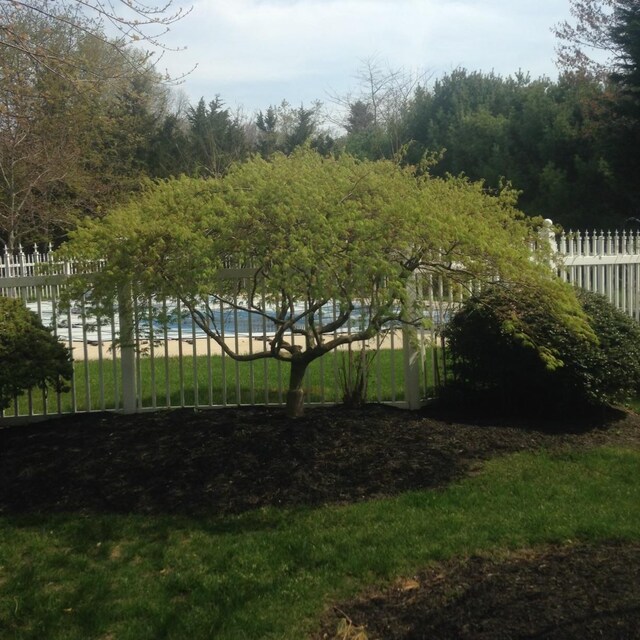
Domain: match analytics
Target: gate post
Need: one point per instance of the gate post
(547, 236)
(127, 350)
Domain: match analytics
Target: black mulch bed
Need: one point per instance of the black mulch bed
(575, 592)
(231, 460)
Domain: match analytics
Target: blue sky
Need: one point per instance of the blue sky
(258, 52)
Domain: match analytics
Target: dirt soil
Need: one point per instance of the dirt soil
(225, 461)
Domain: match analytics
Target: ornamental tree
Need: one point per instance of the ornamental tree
(313, 230)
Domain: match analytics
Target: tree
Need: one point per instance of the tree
(360, 118)
(135, 22)
(625, 35)
(611, 26)
(37, 150)
(315, 231)
(66, 152)
(604, 43)
(38, 159)
(304, 126)
(116, 140)
(546, 138)
(625, 150)
(30, 356)
(284, 128)
(587, 45)
(375, 118)
(267, 124)
(167, 153)
(216, 140)
(364, 138)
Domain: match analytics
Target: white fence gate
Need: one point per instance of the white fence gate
(176, 365)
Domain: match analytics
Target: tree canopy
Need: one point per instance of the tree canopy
(314, 230)
(130, 21)
(69, 145)
(624, 32)
(85, 117)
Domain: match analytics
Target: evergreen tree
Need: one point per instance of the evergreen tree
(625, 34)
(267, 125)
(304, 127)
(215, 139)
(285, 129)
(545, 137)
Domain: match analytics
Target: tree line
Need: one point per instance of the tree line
(85, 120)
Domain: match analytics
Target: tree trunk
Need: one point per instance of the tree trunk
(295, 394)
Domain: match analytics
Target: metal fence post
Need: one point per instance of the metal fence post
(127, 350)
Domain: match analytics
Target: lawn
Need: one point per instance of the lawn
(198, 525)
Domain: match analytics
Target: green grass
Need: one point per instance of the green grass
(270, 573)
(219, 381)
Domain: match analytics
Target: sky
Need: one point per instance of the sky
(256, 53)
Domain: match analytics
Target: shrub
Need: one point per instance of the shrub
(548, 367)
(30, 356)
(354, 372)
(619, 348)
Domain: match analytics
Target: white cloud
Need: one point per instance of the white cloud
(306, 47)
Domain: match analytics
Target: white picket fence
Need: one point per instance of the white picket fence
(607, 263)
(172, 365)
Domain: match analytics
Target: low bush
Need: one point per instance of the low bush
(547, 368)
(30, 356)
(354, 372)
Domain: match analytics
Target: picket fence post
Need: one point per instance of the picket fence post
(547, 234)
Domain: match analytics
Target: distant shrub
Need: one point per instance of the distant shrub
(495, 363)
(30, 356)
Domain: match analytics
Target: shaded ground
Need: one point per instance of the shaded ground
(231, 460)
(582, 591)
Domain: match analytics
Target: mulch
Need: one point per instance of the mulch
(557, 593)
(227, 461)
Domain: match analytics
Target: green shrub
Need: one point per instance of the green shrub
(354, 373)
(30, 356)
(495, 363)
(619, 348)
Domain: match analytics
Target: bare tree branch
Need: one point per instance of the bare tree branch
(134, 22)
(586, 45)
